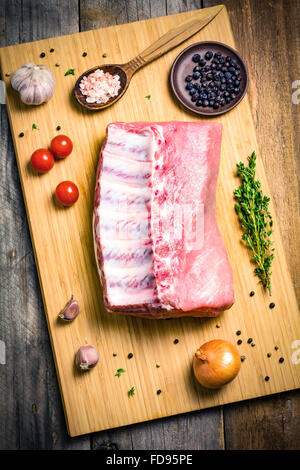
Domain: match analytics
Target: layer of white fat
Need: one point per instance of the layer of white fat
(124, 215)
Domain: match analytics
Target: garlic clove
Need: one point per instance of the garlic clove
(86, 357)
(70, 310)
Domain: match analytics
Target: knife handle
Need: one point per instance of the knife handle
(174, 37)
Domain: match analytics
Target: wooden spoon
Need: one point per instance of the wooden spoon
(168, 41)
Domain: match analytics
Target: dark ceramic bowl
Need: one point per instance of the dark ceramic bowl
(183, 66)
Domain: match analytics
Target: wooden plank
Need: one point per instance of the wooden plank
(271, 423)
(31, 413)
(193, 431)
(179, 431)
(100, 400)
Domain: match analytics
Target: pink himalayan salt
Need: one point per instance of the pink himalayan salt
(99, 87)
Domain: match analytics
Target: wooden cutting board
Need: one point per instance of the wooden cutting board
(63, 244)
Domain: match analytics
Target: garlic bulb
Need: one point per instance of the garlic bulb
(35, 83)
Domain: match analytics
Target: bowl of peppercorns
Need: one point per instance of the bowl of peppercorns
(209, 78)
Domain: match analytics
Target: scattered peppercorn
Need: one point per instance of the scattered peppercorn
(252, 344)
(104, 55)
(276, 348)
(52, 50)
(158, 366)
(218, 325)
(21, 134)
(57, 65)
(281, 360)
(58, 128)
(243, 358)
(272, 305)
(42, 54)
(238, 332)
(84, 54)
(130, 355)
(249, 340)
(252, 293)
(158, 392)
(239, 342)
(7, 74)
(176, 341)
(114, 354)
(267, 378)
(269, 355)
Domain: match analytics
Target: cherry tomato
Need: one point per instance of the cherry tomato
(61, 146)
(67, 193)
(42, 160)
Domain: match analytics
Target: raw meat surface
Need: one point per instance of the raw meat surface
(159, 250)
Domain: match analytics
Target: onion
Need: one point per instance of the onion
(216, 363)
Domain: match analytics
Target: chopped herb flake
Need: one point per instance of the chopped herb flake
(131, 392)
(148, 97)
(119, 372)
(70, 72)
(34, 126)
(105, 54)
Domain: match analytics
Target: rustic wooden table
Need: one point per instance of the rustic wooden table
(31, 416)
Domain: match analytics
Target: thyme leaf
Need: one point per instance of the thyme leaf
(34, 126)
(252, 208)
(70, 72)
(131, 392)
(148, 97)
(119, 372)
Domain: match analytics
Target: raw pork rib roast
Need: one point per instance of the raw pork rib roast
(158, 247)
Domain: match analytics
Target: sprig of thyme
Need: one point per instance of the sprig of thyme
(252, 208)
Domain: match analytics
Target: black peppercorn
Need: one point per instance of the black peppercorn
(84, 54)
(281, 360)
(239, 342)
(238, 332)
(252, 293)
(42, 54)
(249, 340)
(158, 392)
(276, 348)
(114, 354)
(176, 341)
(272, 305)
(252, 344)
(218, 326)
(52, 50)
(158, 366)
(130, 355)
(58, 128)
(267, 378)
(21, 134)
(243, 358)
(269, 355)
(57, 65)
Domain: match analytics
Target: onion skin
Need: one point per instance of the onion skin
(216, 363)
